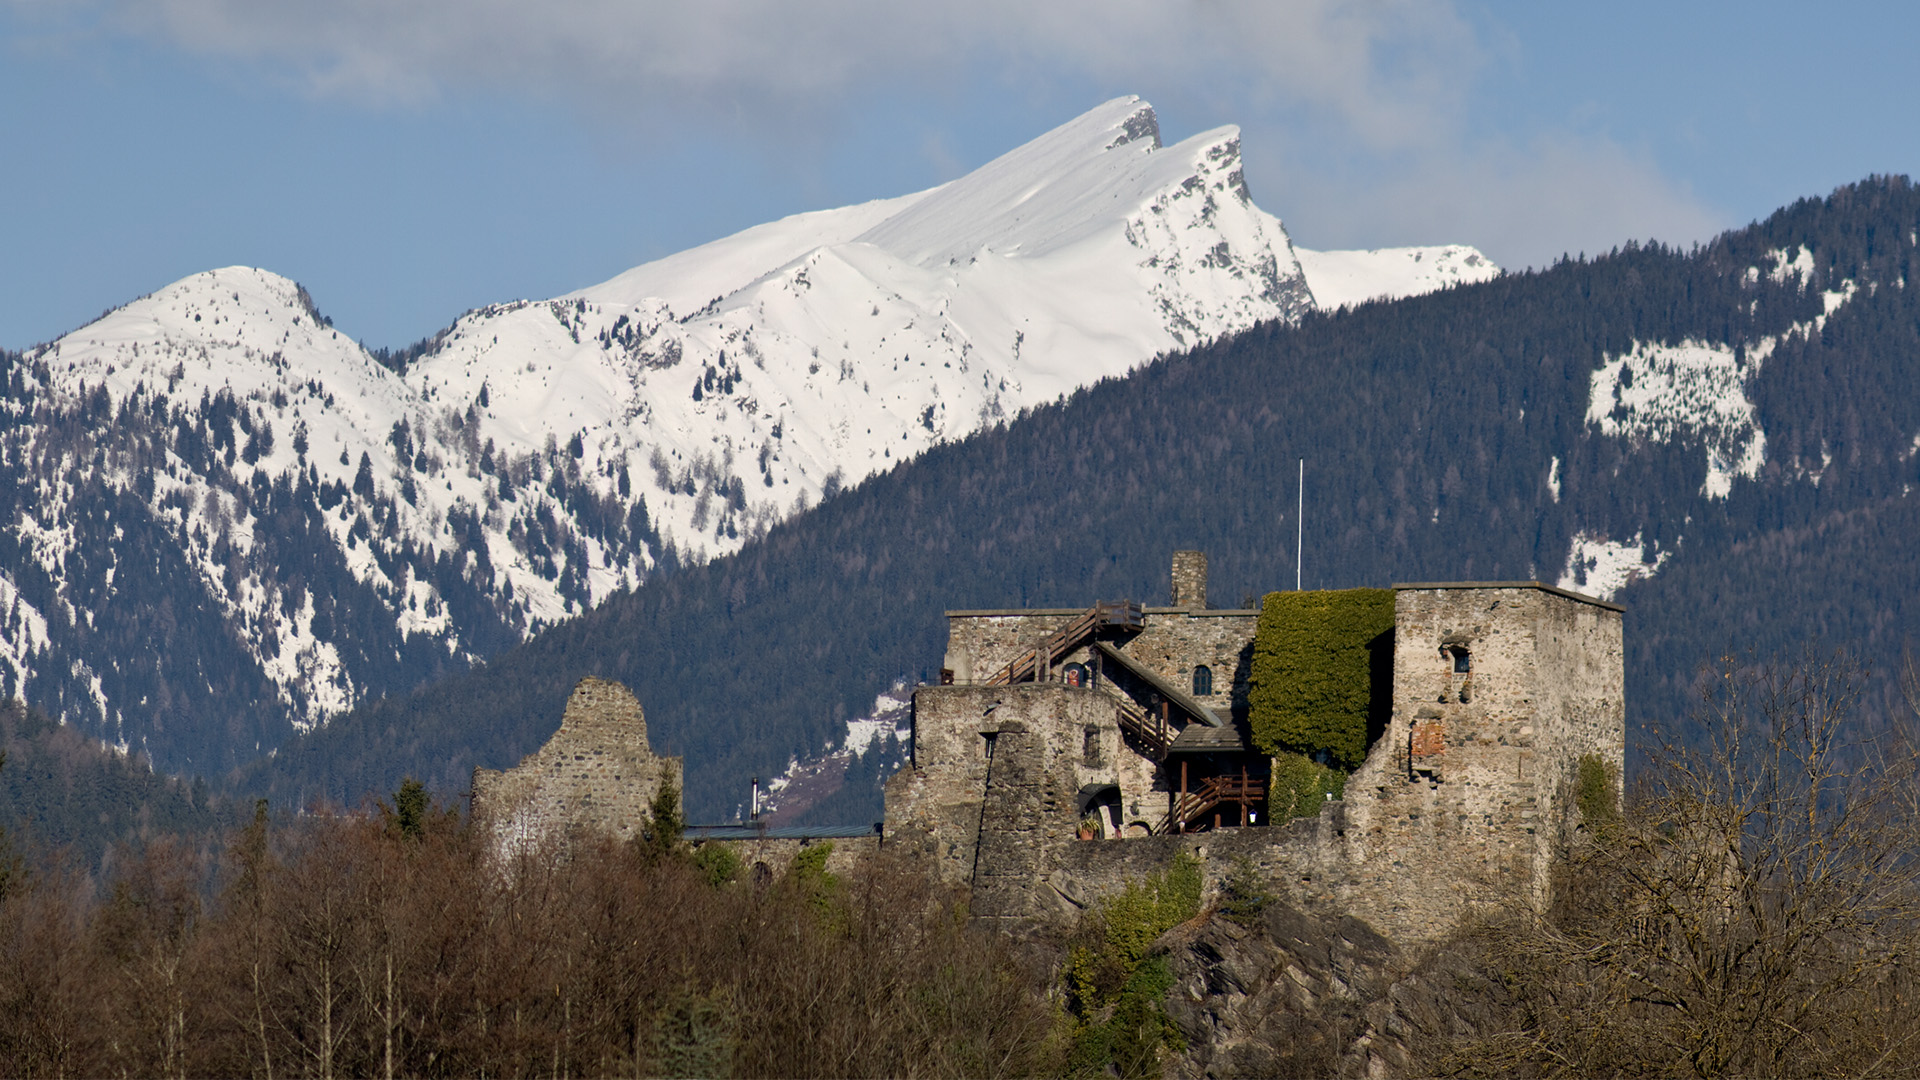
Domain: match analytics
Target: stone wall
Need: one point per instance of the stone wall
(1027, 763)
(1171, 643)
(1464, 801)
(769, 857)
(980, 643)
(1175, 641)
(597, 773)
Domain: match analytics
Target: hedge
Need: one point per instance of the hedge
(1318, 660)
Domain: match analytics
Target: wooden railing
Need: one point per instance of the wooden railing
(1027, 666)
(1216, 791)
(1149, 728)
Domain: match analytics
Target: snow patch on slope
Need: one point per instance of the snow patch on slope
(1691, 390)
(1349, 278)
(1600, 567)
(23, 638)
(1696, 390)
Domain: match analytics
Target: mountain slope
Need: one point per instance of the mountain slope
(226, 521)
(1702, 421)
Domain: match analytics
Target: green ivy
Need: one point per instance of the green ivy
(1316, 659)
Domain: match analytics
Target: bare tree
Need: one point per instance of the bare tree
(1752, 913)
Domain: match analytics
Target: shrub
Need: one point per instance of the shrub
(717, 863)
(1596, 791)
(1317, 659)
(1300, 786)
(1244, 895)
(1115, 991)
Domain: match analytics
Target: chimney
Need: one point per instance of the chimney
(1190, 580)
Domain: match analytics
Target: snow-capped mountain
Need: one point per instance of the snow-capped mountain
(344, 523)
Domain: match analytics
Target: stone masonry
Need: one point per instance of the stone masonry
(597, 773)
(1498, 690)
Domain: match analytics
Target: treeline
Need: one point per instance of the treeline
(64, 796)
(399, 942)
(1431, 428)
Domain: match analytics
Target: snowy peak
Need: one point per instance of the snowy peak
(355, 525)
(1085, 174)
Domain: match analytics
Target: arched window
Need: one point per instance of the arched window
(1202, 680)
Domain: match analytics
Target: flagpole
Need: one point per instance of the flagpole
(1299, 524)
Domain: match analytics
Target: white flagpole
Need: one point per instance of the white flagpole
(1299, 524)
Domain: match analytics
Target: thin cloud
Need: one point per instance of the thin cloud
(1355, 113)
(1387, 70)
(1523, 203)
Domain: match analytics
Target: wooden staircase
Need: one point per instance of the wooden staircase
(1150, 729)
(1124, 615)
(1216, 791)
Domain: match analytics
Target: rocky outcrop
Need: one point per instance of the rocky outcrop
(1283, 993)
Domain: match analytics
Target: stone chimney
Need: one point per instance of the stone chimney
(1190, 579)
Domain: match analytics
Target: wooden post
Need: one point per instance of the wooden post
(1179, 823)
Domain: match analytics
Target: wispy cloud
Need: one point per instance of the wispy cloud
(1356, 113)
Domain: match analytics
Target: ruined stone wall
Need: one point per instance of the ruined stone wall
(1176, 640)
(771, 856)
(1584, 657)
(1172, 642)
(1027, 763)
(597, 773)
(1190, 580)
(1464, 801)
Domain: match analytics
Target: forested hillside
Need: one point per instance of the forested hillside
(1762, 472)
(65, 796)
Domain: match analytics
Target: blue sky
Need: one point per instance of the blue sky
(408, 161)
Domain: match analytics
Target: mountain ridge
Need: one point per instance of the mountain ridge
(1519, 428)
(356, 522)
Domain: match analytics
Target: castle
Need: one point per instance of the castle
(1066, 752)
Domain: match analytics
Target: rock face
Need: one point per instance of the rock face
(1286, 994)
(597, 774)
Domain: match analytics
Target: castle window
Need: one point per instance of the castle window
(1090, 747)
(1075, 674)
(1202, 680)
(1462, 660)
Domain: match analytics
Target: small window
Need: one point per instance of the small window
(1462, 660)
(1090, 746)
(1075, 675)
(1202, 681)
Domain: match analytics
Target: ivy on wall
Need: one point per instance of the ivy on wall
(1318, 658)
